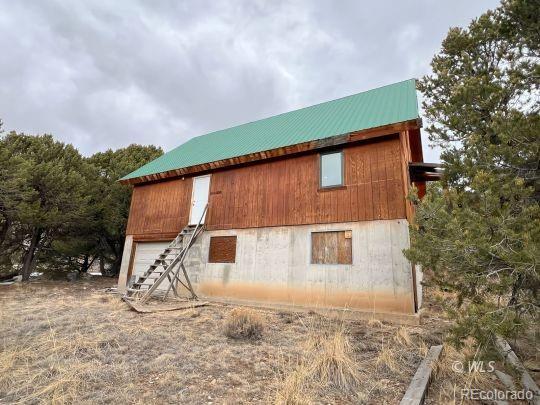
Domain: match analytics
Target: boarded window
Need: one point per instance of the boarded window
(331, 247)
(222, 249)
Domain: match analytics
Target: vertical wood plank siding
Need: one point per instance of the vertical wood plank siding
(160, 208)
(282, 192)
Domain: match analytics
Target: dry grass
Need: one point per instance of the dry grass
(333, 363)
(244, 323)
(387, 359)
(294, 388)
(449, 383)
(70, 343)
(403, 337)
(327, 363)
(345, 364)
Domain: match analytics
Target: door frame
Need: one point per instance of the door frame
(191, 203)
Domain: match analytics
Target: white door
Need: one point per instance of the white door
(199, 198)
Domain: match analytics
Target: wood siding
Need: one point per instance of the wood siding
(286, 192)
(160, 209)
(281, 192)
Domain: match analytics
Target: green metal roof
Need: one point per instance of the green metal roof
(373, 108)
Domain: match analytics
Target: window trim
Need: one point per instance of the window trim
(333, 186)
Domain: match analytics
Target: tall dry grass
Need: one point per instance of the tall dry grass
(244, 323)
(294, 388)
(326, 362)
(332, 361)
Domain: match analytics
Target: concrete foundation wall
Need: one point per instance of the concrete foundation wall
(274, 265)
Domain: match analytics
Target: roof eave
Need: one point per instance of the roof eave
(279, 152)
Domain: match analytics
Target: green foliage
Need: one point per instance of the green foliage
(43, 194)
(479, 233)
(112, 199)
(59, 210)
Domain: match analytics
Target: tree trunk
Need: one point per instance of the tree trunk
(102, 265)
(29, 255)
(4, 229)
(115, 269)
(85, 264)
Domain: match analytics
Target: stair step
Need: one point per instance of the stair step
(137, 289)
(162, 264)
(143, 283)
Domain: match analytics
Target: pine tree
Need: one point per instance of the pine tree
(478, 235)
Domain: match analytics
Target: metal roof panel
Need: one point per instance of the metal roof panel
(370, 109)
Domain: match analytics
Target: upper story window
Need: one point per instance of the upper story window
(331, 169)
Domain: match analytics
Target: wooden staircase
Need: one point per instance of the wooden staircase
(167, 267)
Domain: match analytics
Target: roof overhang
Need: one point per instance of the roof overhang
(280, 152)
(425, 171)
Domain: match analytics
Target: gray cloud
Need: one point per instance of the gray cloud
(103, 74)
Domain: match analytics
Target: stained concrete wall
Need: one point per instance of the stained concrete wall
(274, 264)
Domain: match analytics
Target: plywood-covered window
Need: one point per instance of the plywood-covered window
(331, 167)
(333, 247)
(222, 249)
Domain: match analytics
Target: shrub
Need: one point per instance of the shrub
(244, 323)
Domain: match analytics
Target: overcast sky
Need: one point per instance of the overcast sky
(105, 74)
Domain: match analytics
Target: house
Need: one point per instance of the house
(306, 208)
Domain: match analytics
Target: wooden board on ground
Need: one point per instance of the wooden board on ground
(416, 393)
(526, 380)
(170, 306)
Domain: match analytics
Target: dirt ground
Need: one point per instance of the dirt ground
(74, 343)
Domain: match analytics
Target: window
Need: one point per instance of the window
(331, 169)
(331, 247)
(222, 249)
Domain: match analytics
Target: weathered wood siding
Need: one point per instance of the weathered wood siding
(281, 192)
(332, 247)
(160, 209)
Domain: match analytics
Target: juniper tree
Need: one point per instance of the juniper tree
(43, 195)
(112, 199)
(479, 234)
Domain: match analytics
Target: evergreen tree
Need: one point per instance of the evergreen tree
(479, 235)
(43, 195)
(112, 199)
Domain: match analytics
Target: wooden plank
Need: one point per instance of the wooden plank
(416, 393)
(175, 306)
(331, 248)
(526, 380)
(344, 255)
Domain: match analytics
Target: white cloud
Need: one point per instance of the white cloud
(107, 74)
